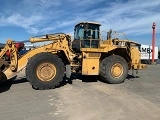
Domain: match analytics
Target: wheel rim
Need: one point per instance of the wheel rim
(117, 70)
(46, 71)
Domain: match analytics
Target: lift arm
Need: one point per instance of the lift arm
(60, 43)
(10, 46)
(48, 37)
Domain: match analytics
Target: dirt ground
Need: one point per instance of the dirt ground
(84, 99)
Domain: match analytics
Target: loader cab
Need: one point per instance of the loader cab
(86, 35)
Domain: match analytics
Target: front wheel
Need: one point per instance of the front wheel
(114, 69)
(45, 71)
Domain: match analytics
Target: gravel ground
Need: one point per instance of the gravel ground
(84, 99)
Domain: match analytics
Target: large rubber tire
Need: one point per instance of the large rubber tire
(106, 68)
(37, 60)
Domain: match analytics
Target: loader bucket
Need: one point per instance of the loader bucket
(2, 77)
(3, 65)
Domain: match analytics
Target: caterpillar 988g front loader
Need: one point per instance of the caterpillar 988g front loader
(46, 66)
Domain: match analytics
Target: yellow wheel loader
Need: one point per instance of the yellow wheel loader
(46, 66)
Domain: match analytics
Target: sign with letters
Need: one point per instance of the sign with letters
(146, 52)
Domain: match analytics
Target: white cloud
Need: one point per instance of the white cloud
(132, 17)
(20, 21)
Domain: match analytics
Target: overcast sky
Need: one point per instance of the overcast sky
(21, 19)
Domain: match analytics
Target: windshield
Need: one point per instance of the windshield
(79, 32)
(92, 32)
(88, 34)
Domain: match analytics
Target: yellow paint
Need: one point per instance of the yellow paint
(90, 57)
(90, 66)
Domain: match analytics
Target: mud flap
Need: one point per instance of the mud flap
(3, 65)
(68, 71)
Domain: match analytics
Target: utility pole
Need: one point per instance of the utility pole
(153, 41)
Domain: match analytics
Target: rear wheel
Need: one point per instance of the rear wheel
(45, 71)
(114, 69)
